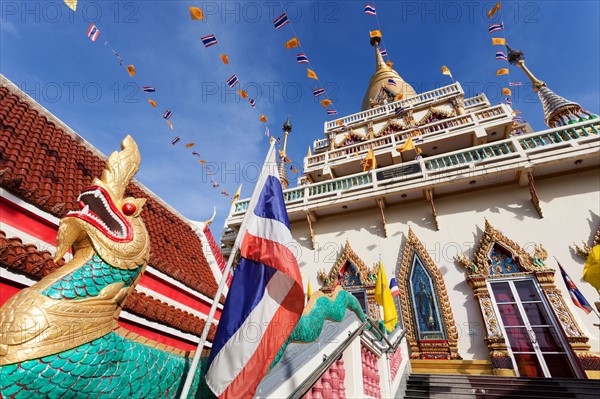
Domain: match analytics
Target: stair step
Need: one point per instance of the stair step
(504, 391)
(521, 385)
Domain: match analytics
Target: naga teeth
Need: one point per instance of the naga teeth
(97, 193)
(85, 210)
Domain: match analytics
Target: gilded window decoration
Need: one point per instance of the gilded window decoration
(497, 256)
(430, 327)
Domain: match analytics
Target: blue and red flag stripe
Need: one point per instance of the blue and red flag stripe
(302, 58)
(394, 287)
(93, 32)
(281, 21)
(370, 10)
(495, 27)
(576, 295)
(209, 40)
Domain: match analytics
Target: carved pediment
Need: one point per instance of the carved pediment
(348, 265)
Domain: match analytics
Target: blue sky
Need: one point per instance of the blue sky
(44, 50)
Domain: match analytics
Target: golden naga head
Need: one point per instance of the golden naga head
(105, 220)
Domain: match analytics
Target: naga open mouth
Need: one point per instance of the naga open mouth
(98, 209)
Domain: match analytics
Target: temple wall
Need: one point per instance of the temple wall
(571, 209)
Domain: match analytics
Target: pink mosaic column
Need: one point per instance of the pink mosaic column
(395, 360)
(370, 373)
(331, 384)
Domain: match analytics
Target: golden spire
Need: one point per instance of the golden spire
(379, 80)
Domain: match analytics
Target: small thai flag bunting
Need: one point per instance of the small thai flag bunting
(331, 112)
(167, 114)
(495, 27)
(508, 101)
(148, 89)
(391, 82)
(501, 56)
(370, 10)
(302, 58)
(252, 102)
(93, 32)
(513, 84)
(318, 92)
(209, 40)
(278, 140)
(196, 154)
(267, 131)
(576, 296)
(232, 81)
(281, 21)
(118, 57)
(398, 111)
(176, 140)
(383, 52)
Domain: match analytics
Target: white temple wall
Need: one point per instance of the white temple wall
(571, 209)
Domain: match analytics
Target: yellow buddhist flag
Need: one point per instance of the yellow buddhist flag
(502, 71)
(383, 296)
(196, 13)
(591, 270)
(170, 124)
(326, 103)
(224, 59)
(389, 64)
(309, 153)
(293, 42)
(398, 96)
(498, 41)
(243, 93)
(375, 33)
(308, 291)
(311, 74)
(190, 145)
(72, 4)
(152, 102)
(131, 70)
(369, 162)
(408, 145)
(494, 10)
(263, 118)
(506, 91)
(446, 71)
(516, 111)
(236, 196)
(339, 122)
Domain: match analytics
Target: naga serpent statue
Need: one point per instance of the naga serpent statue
(60, 337)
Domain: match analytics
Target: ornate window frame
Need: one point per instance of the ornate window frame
(426, 349)
(533, 265)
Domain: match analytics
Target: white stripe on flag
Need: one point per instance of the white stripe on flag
(270, 229)
(223, 370)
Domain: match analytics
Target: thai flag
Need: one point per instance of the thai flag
(167, 114)
(318, 92)
(93, 32)
(176, 140)
(508, 101)
(513, 84)
(281, 21)
(576, 296)
(394, 287)
(398, 111)
(501, 56)
(370, 10)
(302, 58)
(148, 89)
(391, 82)
(209, 40)
(266, 294)
(383, 52)
(252, 102)
(495, 27)
(232, 81)
(267, 131)
(331, 112)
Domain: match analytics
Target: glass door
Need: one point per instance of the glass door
(537, 346)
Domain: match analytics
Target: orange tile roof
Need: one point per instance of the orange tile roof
(48, 167)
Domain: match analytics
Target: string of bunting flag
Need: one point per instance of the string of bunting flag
(501, 56)
(233, 81)
(301, 59)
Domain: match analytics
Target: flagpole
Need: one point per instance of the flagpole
(236, 246)
(593, 310)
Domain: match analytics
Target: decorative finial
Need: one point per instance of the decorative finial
(287, 125)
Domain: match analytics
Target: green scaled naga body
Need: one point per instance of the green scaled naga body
(60, 337)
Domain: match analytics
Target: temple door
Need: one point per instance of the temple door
(535, 342)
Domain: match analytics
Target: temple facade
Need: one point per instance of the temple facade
(471, 212)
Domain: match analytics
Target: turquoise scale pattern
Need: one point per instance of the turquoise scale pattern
(110, 367)
(88, 280)
(309, 326)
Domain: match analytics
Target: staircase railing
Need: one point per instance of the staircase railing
(318, 372)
